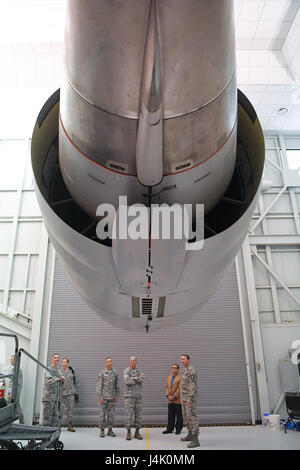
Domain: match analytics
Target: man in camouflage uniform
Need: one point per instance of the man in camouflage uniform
(188, 391)
(18, 409)
(133, 379)
(109, 391)
(51, 395)
(68, 392)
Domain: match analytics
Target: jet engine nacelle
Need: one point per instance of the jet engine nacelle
(149, 113)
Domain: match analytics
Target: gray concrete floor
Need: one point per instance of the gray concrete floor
(211, 438)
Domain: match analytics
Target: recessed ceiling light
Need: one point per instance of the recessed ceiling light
(282, 110)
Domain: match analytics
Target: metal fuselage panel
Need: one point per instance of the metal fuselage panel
(105, 47)
(150, 91)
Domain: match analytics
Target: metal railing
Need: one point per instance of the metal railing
(7, 413)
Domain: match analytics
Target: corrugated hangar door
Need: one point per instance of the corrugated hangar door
(213, 339)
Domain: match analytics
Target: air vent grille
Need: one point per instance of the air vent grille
(147, 306)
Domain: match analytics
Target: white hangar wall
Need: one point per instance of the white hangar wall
(269, 266)
(25, 263)
(267, 281)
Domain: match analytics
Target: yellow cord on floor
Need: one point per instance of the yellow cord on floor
(147, 436)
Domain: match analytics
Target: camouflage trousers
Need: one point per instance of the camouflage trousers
(189, 414)
(19, 412)
(51, 413)
(133, 408)
(67, 407)
(107, 413)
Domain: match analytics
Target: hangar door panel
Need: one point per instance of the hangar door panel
(213, 339)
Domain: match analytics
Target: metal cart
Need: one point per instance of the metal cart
(20, 436)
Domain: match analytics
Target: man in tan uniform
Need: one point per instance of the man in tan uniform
(172, 391)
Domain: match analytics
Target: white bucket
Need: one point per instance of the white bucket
(274, 421)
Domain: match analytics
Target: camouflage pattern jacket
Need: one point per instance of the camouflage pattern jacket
(20, 384)
(108, 384)
(52, 385)
(133, 379)
(67, 386)
(188, 384)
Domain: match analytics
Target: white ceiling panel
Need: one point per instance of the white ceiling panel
(250, 11)
(264, 24)
(246, 29)
(272, 29)
(276, 10)
(291, 48)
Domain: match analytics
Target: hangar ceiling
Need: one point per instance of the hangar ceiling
(268, 60)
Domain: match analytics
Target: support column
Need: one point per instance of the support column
(262, 381)
(31, 374)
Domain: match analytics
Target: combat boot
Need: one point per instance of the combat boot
(137, 434)
(128, 437)
(102, 433)
(111, 433)
(195, 442)
(70, 428)
(188, 437)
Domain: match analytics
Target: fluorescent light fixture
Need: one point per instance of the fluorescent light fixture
(282, 111)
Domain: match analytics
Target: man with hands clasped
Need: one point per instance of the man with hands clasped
(172, 391)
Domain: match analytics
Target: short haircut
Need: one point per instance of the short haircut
(133, 357)
(186, 355)
(108, 357)
(67, 359)
(176, 365)
(54, 354)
